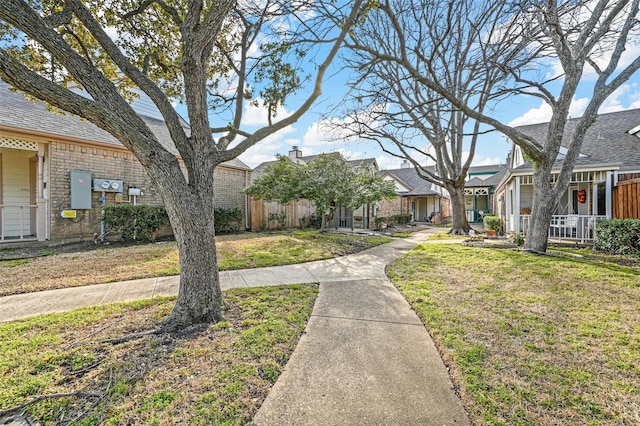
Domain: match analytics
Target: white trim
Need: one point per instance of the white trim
(608, 196)
(516, 207)
(15, 143)
(634, 130)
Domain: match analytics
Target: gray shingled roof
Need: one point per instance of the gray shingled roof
(408, 176)
(486, 170)
(606, 142)
(488, 180)
(422, 191)
(18, 112)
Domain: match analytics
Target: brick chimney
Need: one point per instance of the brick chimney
(295, 152)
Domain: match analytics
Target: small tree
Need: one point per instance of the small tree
(327, 180)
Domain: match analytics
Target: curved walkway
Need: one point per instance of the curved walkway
(365, 357)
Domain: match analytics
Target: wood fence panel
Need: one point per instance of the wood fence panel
(260, 211)
(626, 199)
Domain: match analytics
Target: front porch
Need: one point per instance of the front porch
(568, 227)
(22, 203)
(588, 199)
(428, 208)
(477, 203)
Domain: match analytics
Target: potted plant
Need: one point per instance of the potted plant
(492, 224)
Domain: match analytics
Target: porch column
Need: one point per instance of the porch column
(608, 195)
(41, 202)
(516, 207)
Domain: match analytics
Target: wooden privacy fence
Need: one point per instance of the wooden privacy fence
(294, 212)
(626, 199)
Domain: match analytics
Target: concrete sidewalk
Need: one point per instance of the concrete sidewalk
(367, 264)
(365, 357)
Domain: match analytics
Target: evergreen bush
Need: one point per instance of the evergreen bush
(618, 236)
(138, 223)
(228, 220)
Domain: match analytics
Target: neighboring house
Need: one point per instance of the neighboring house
(425, 201)
(41, 150)
(479, 190)
(264, 213)
(605, 181)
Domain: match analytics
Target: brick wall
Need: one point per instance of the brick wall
(390, 207)
(105, 163)
(228, 183)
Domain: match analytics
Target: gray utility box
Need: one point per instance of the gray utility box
(108, 185)
(80, 190)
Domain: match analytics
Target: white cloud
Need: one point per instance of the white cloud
(534, 115)
(388, 163)
(543, 113)
(614, 103)
(257, 116)
(625, 97)
(578, 106)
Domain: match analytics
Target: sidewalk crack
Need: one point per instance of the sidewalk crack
(368, 320)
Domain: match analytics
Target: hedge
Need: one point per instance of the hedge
(618, 236)
(139, 222)
(228, 220)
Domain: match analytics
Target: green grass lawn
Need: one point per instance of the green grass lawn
(531, 340)
(241, 251)
(211, 375)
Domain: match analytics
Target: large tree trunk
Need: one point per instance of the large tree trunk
(459, 218)
(200, 295)
(190, 207)
(544, 204)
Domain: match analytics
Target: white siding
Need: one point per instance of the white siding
(15, 191)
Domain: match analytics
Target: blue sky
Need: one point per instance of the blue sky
(312, 137)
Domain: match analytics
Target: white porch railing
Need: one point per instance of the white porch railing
(568, 227)
(15, 221)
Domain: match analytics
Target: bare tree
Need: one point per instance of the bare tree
(203, 53)
(403, 114)
(578, 34)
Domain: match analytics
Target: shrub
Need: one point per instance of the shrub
(618, 236)
(137, 223)
(315, 221)
(400, 219)
(491, 222)
(396, 219)
(518, 240)
(379, 220)
(312, 221)
(228, 220)
(281, 218)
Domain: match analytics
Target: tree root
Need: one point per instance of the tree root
(49, 396)
(128, 337)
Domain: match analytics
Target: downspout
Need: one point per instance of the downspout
(247, 204)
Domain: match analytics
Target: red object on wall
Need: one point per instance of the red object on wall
(582, 196)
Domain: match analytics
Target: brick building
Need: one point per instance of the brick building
(39, 152)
